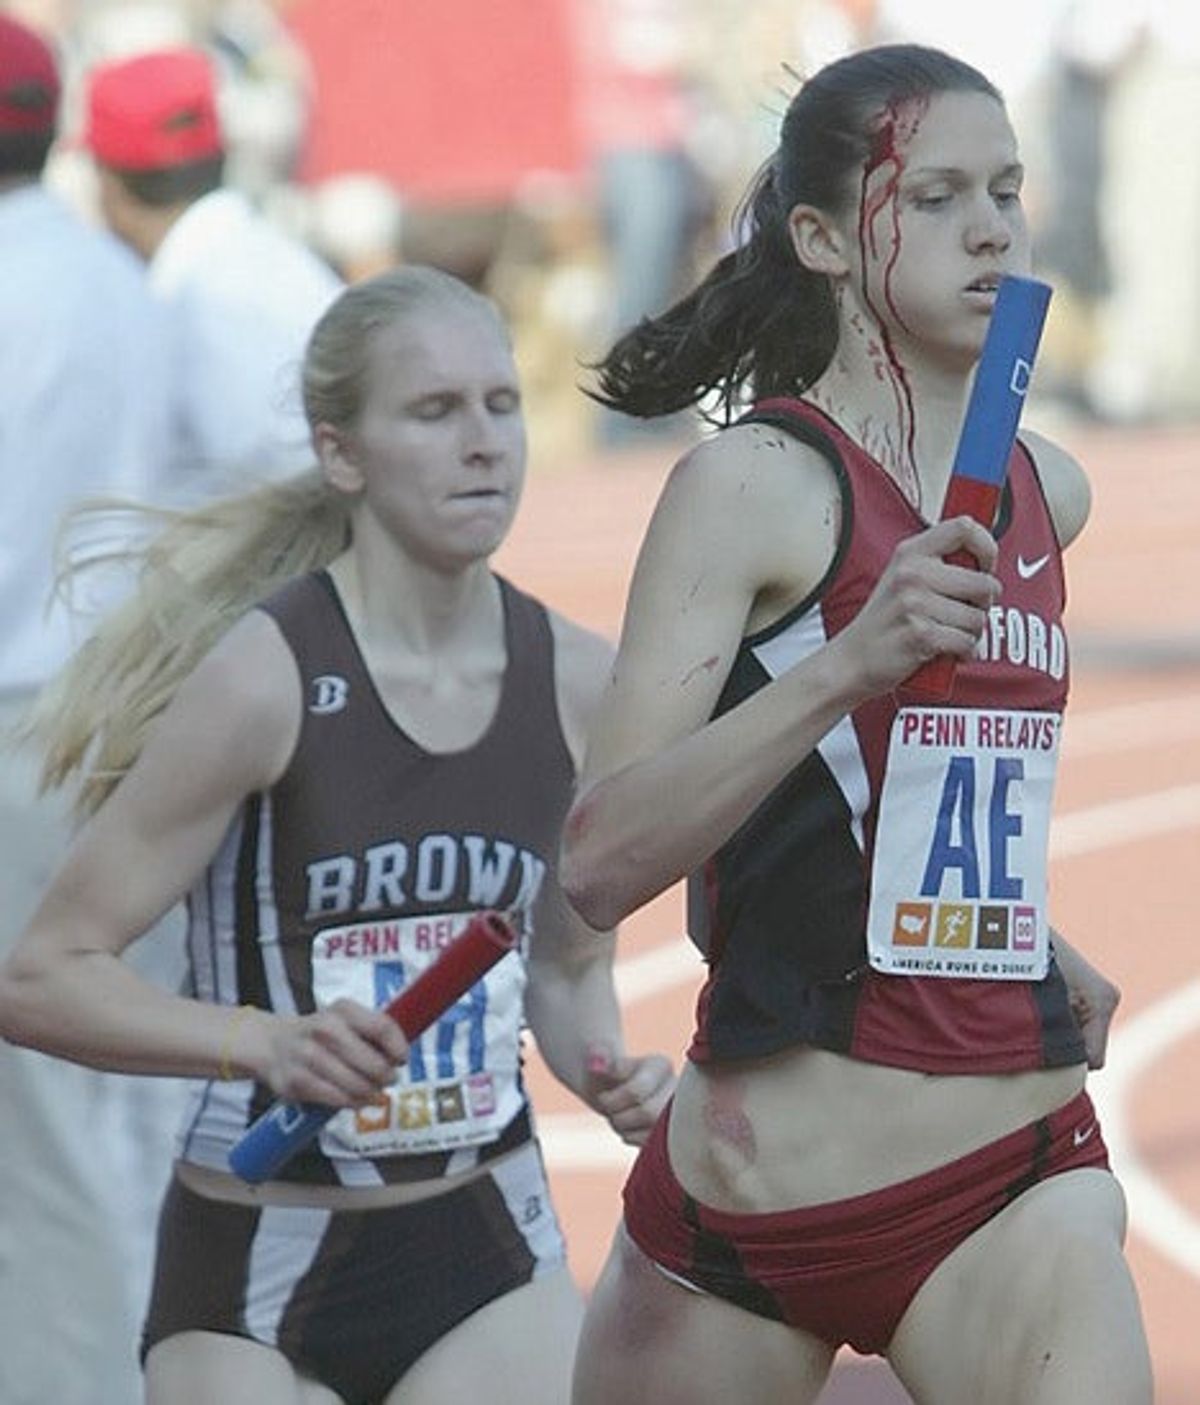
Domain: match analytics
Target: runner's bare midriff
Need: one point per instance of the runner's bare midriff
(808, 1126)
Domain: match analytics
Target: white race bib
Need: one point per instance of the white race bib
(958, 881)
(460, 1085)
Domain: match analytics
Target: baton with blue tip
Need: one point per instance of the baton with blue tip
(286, 1127)
(989, 431)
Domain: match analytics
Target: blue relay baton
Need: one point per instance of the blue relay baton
(989, 430)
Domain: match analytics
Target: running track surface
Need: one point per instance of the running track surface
(1125, 843)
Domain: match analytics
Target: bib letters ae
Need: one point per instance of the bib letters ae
(958, 881)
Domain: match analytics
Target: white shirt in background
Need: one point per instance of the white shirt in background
(83, 409)
(241, 297)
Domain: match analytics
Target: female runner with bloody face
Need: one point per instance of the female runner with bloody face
(881, 1136)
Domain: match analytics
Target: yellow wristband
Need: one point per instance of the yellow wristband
(224, 1067)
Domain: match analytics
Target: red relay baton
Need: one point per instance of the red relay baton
(477, 948)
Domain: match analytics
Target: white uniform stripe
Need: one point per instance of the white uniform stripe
(212, 932)
(223, 916)
(839, 747)
(840, 751)
(356, 1171)
(212, 936)
(279, 990)
(521, 1180)
(285, 1244)
(466, 1158)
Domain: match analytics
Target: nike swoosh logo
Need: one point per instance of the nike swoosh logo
(1084, 1134)
(1028, 569)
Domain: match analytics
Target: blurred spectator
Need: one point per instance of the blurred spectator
(241, 295)
(262, 75)
(465, 238)
(1012, 50)
(1090, 43)
(1148, 367)
(83, 412)
(455, 107)
(653, 199)
(355, 222)
(265, 91)
(832, 28)
(1118, 240)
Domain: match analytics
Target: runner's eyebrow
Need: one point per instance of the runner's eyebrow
(1013, 169)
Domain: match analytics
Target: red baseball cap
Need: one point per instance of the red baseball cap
(153, 111)
(29, 86)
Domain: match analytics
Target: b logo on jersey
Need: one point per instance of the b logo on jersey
(328, 694)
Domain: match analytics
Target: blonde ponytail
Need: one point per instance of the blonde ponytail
(197, 573)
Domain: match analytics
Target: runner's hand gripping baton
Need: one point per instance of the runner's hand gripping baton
(271, 1141)
(989, 430)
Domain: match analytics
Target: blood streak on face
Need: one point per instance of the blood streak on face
(895, 129)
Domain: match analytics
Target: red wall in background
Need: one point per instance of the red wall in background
(449, 99)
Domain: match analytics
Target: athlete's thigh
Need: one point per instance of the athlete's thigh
(213, 1368)
(517, 1350)
(1037, 1306)
(648, 1340)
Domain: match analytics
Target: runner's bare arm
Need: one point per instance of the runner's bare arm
(227, 733)
(571, 1004)
(747, 525)
(571, 1000)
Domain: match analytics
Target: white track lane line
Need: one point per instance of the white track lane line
(1135, 1046)
(1121, 822)
(1128, 726)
